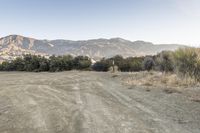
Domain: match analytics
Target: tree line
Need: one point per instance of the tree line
(37, 63)
(184, 62)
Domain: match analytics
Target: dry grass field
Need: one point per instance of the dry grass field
(91, 102)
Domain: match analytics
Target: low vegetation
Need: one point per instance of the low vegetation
(34, 63)
(184, 62)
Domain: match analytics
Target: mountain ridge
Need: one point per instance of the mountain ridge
(13, 46)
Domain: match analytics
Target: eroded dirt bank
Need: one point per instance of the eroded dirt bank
(90, 102)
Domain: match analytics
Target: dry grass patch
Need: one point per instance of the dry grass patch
(157, 79)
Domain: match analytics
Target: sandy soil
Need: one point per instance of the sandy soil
(91, 102)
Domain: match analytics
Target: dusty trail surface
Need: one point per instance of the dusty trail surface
(90, 102)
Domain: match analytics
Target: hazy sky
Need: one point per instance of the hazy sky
(158, 21)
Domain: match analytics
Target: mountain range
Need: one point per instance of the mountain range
(13, 46)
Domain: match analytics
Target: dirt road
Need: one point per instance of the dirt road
(90, 102)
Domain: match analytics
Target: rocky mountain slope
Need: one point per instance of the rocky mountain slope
(14, 45)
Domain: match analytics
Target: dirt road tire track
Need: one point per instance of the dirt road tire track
(89, 102)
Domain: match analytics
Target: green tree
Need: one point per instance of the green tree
(131, 64)
(7, 66)
(19, 64)
(55, 63)
(67, 62)
(44, 64)
(164, 61)
(102, 65)
(148, 63)
(82, 62)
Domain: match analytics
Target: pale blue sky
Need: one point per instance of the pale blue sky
(158, 21)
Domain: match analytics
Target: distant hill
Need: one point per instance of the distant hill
(14, 45)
